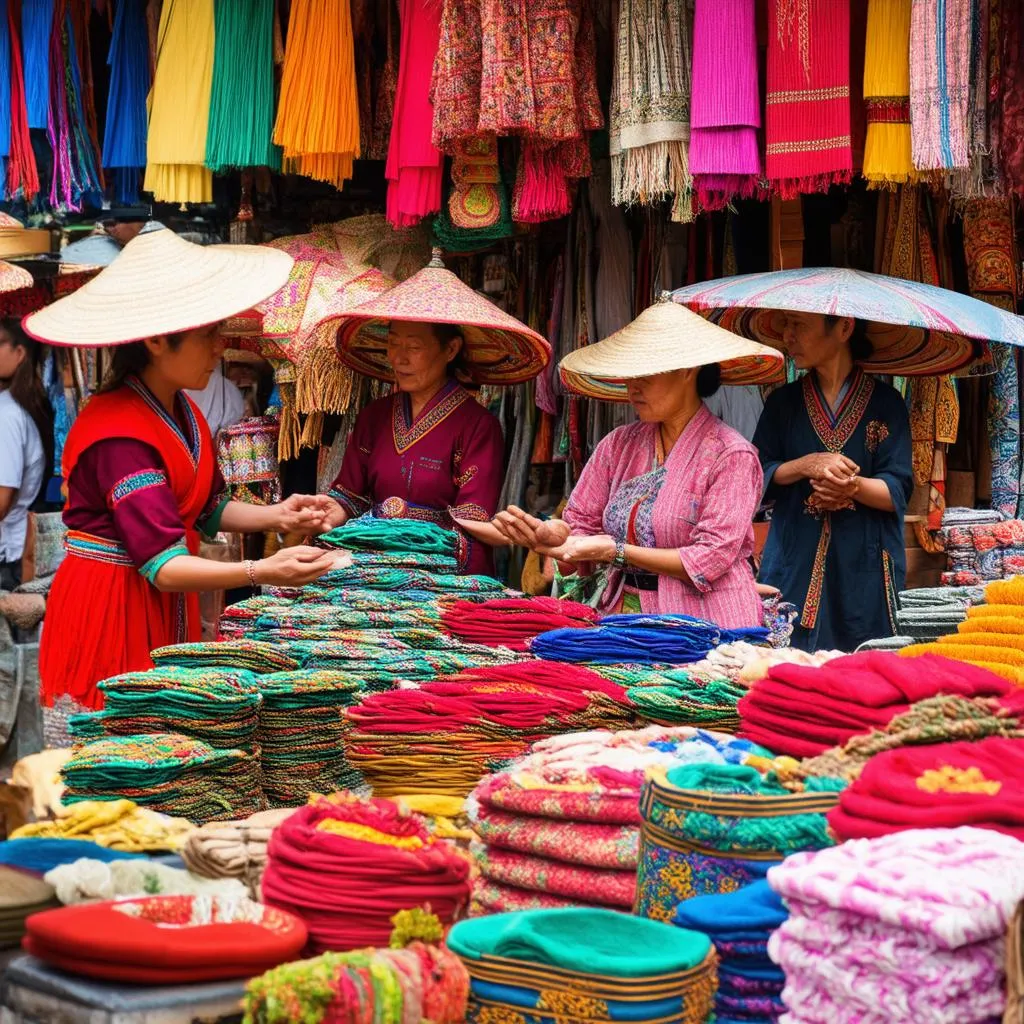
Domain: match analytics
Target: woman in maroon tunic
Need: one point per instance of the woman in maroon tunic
(430, 451)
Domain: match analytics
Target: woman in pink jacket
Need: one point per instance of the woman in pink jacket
(661, 518)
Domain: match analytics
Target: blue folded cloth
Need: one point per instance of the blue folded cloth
(42, 855)
(760, 972)
(747, 914)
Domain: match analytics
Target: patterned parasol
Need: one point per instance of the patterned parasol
(499, 349)
(916, 329)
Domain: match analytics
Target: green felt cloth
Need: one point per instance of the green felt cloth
(585, 939)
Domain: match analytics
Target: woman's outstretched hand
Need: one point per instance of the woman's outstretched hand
(294, 567)
(309, 514)
(519, 527)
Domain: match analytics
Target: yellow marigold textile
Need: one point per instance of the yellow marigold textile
(887, 151)
(973, 654)
(988, 611)
(1006, 592)
(948, 779)
(986, 638)
(367, 834)
(318, 113)
(179, 104)
(992, 624)
(117, 824)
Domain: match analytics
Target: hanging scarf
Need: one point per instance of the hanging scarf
(650, 105)
(1011, 92)
(124, 140)
(980, 178)
(808, 105)
(934, 412)
(991, 273)
(22, 174)
(5, 92)
(455, 87)
(887, 153)
(940, 63)
(725, 110)
(37, 25)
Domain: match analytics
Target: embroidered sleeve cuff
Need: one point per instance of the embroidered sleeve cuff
(696, 569)
(159, 560)
(354, 504)
(131, 484)
(209, 525)
(475, 513)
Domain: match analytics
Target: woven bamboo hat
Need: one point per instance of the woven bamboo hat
(161, 284)
(498, 348)
(666, 337)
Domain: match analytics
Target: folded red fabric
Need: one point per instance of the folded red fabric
(346, 889)
(879, 678)
(817, 707)
(944, 785)
(792, 728)
(157, 936)
(782, 742)
(511, 622)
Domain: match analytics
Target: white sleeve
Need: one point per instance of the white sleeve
(13, 442)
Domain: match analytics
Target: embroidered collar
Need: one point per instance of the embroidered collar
(191, 442)
(835, 427)
(438, 409)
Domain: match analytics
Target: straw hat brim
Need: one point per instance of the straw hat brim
(161, 284)
(498, 348)
(663, 338)
(13, 278)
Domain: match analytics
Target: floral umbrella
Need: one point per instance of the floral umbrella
(916, 329)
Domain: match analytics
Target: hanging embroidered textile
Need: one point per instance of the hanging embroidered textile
(940, 63)
(887, 152)
(318, 111)
(1010, 89)
(415, 166)
(807, 120)
(477, 213)
(725, 111)
(179, 104)
(934, 409)
(650, 102)
(992, 276)
(980, 179)
(455, 88)
(76, 173)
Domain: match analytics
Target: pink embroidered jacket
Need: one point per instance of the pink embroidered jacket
(704, 508)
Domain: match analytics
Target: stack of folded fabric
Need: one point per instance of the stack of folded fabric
(681, 699)
(979, 552)
(237, 620)
(392, 536)
(165, 940)
(346, 866)
(943, 719)
(442, 737)
(803, 711)
(928, 613)
(379, 665)
(938, 786)
(386, 578)
(301, 740)
(512, 622)
(711, 828)
(246, 654)
(217, 706)
(909, 927)
(320, 617)
(36, 855)
(583, 964)
(419, 982)
(117, 824)
(560, 827)
(233, 849)
(744, 662)
(608, 705)
(991, 635)
(21, 896)
(640, 639)
(739, 924)
(167, 772)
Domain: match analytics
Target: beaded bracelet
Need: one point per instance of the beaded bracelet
(250, 571)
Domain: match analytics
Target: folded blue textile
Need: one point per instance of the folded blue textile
(42, 855)
(758, 972)
(748, 913)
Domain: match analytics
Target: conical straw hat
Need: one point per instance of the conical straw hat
(161, 284)
(498, 348)
(665, 337)
(13, 278)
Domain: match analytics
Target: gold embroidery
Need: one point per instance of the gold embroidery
(807, 145)
(572, 1007)
(948, 779)
(835, 92)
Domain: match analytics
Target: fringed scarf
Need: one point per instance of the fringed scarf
(808, 105)
(980, 179)
(650, 104)
(940, 84)
(887, 151)
(725, 110)
(22, 173)
(992, 277)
